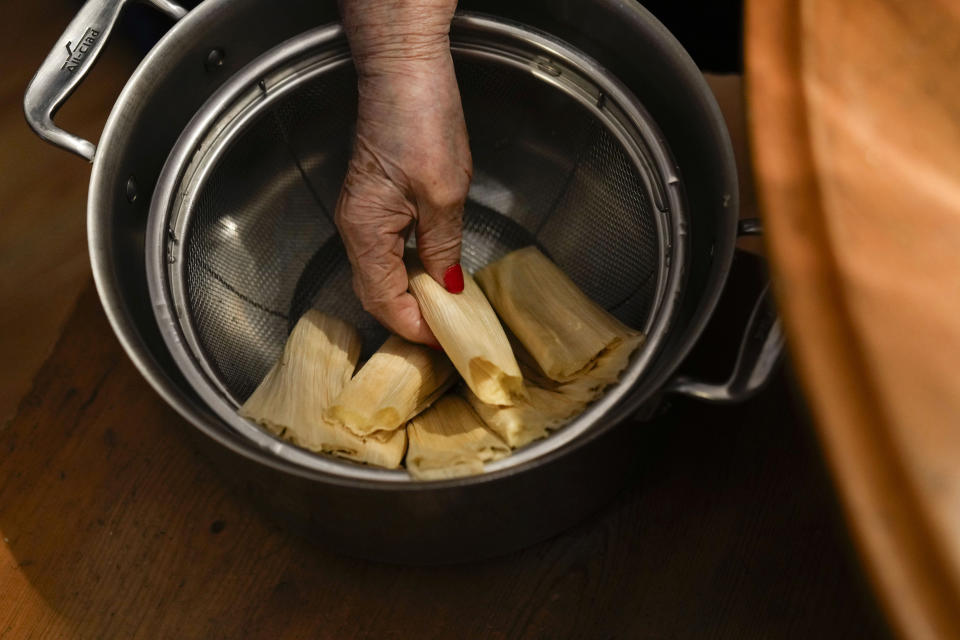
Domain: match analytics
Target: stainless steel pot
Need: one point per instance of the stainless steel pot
(364, 514)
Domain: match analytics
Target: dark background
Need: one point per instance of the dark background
(712, 32)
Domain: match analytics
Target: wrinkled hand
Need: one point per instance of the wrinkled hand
(411, 165)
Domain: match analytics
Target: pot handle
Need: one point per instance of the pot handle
(68, 64)
(760, 350)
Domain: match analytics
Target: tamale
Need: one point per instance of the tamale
(381, 449)
(550, 404)
(472, 336)
(398, 381)
(562, 328)
(317, 361)
(530, 419)
(449, 440)
(603, 372)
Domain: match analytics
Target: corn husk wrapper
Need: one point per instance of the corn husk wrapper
(398, 381)
(531, 419)
(449, 440)
(551, 404)
(603, 372)
(563, 329)
(472, 336)
(317, 361)
(569, 348)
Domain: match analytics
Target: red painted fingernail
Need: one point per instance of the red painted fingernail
(453, 278)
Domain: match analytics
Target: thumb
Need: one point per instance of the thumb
(438, 243)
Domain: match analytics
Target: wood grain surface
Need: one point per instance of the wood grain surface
(854, 110)
(113, 527)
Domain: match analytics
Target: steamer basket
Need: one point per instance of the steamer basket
(241, 239)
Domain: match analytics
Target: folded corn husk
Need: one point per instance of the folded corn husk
(569, 348)
(398, 381)
(603, 372)
(472, 336)
(449, 440)
(533, 417)
(529, 419)
(317, 361)
(563, 329)
(551, 404)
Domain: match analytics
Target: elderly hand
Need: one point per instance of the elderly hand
(411, 165)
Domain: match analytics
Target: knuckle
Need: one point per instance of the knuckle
(369, 306)
(443, 185)
(446, 189)
(370, 303)
(344, 219)
(440, 249)
(446, 197)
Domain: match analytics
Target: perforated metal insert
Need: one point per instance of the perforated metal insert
(261, 248)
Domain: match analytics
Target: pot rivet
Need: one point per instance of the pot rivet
(131, 189)
(214, 59)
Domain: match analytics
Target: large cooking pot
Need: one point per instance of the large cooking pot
(230, 57)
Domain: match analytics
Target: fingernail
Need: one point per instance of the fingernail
(453, 278)
(435, 346)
